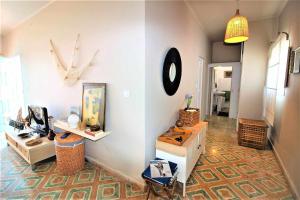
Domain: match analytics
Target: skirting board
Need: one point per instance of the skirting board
(116, 172)
(285, 172)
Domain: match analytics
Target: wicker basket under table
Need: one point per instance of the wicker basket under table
(252, 133)
(69, 153)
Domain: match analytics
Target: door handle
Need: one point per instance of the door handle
(199, 146)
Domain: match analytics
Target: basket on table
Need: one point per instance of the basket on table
(252, 133)
(69, 153)
(189, 118)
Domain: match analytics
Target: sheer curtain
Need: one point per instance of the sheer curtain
(11, 89)
(275, 80)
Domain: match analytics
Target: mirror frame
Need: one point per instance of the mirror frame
(172, 56)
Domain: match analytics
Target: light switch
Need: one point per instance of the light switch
(126, 93)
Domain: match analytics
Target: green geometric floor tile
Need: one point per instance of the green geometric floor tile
(108, 191)
(85, 176)
(289, 197)
(229, 157)
(79, 193)
(198, 194)
(191, 181)
(207, 175)
(224, 192)
(29, 183)
(249, 189)
(228, 172)
(105, 176)
(133, 190)
(5, 184)
(245, 168)
(20, 197)
(15, 170)
(43, 167)
(54, 195)
(212, 159)
(270, 185)
(56, 180)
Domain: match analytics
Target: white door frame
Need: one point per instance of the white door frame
(236, 71)
(200, 103)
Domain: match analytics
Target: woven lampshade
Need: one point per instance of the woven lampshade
(237, 29)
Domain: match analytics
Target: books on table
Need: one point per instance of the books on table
(160, 169)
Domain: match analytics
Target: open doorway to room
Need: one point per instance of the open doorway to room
(224, 89)
(221, 87)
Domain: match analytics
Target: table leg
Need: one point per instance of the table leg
(148, 192)
(170, 196)
(184, 187)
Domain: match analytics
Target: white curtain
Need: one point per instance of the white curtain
(11, 89)
(276, 74)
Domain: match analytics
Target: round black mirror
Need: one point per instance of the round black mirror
(172, 71)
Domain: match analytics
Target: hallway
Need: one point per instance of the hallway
(229, 171)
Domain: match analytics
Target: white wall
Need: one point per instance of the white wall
(225, 52)
(286, 131)
(170, 24)
(254, 68)
(118, 30)
(223, 84)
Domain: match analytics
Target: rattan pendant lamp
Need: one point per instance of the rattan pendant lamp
(237, 28)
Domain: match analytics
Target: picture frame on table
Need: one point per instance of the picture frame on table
(94, 104)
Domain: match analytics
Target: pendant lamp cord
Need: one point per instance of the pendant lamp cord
(238, 7)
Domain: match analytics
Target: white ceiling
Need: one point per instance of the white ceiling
(14, 12)
(214, 14)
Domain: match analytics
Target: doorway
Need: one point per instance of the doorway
(224, 89)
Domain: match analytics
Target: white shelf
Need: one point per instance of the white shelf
(64, 126)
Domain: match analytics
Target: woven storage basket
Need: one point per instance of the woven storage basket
(189, 118)
(252, 133)
(69, 154)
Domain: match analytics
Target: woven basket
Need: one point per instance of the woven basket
(189, 118)
(252, 133)
(69, 154)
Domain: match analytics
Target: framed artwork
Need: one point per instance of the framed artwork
(291, 61)
(93, 104)
(288, 67)
(227, 74)
(297, 61)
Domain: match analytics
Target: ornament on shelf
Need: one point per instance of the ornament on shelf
(71, 72)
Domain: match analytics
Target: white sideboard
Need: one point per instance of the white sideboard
(32, 154)
(187, 155)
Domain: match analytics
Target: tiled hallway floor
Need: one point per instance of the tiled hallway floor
(229, 171)
(226, 171)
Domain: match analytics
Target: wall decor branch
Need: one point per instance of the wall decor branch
(71, 73)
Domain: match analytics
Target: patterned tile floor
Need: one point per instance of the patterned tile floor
(227, 171)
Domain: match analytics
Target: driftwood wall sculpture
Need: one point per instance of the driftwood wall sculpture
(71, 73)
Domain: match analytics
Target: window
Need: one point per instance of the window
(275, 79)
(11, 89)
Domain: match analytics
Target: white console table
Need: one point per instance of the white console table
(32, 154)
(187, 155)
